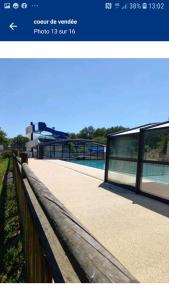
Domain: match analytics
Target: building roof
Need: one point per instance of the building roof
(58, 141)
(142, 127)
(161, 125)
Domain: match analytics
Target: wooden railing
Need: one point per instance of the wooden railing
(57, 247)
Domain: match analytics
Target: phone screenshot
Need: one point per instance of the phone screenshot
(96, 20)
(84, 149)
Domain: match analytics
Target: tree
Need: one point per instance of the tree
(72, 135)
(86, 132)
(3, 137)
(100, 132)
(164, 143)
(116, 129)
(101, 139)
(19, 142)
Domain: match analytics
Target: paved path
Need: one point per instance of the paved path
(133, 228)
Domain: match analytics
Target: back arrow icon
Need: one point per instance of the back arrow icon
(13, 26)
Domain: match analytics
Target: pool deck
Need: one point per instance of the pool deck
(134, 228)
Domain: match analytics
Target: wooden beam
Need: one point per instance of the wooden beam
(91, 261)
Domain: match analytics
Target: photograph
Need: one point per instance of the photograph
(84, 170)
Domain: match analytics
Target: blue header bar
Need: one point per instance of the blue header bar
(89, 20)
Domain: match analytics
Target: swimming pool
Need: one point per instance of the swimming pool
(151, 172)
(99, 164)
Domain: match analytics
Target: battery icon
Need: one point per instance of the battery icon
(144, 5)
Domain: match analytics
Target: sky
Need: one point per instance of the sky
(70, 94)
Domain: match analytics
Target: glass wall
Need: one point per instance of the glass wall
(46, 152)
(125, 146)
(140, 159)
(58, 151)
(155, 169)
(122, 161)
(73, 150)
(123, 172)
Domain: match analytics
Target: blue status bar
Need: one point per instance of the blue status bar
(74, 20)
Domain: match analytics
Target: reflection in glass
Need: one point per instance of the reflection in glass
(46, 152)
(73, 150)
(156, 144)
(123, 172)
(155, 180)
(125, 146)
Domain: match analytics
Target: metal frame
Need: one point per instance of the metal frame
(81, 150)
(140, 159)
(138, 127)
(107, 159)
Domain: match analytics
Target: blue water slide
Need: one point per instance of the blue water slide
(58, 134)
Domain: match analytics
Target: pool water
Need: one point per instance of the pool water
(99, 164)
(151, 172)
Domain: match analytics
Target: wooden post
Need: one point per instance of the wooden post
(24, 157)
(16, 152)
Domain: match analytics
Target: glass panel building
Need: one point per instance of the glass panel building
(139, 159)
(71, 149)
(45, 142)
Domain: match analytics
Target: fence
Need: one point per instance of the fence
(57, 247)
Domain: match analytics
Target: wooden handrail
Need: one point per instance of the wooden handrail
(92, 262)
(57, 246)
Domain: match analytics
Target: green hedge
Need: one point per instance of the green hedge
(3, 168)
(6, 154)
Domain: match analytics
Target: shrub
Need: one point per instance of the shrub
(6, 154)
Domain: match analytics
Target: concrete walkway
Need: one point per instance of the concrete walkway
(135, 229)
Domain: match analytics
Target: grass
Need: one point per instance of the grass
(3, 169)
(11, 247)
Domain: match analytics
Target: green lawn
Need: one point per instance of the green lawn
(3, 168)
(11, 247)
